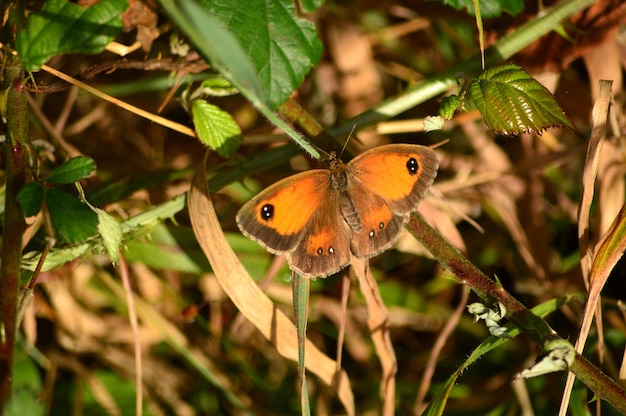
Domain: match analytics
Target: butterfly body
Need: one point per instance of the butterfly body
(318, 217)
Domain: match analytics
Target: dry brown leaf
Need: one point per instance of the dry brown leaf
(600, 117)
(603, 62)
(612, 184)
(248, 297)
(378, 323)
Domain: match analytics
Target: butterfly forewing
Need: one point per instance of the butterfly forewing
(278, 217)
(400, 174)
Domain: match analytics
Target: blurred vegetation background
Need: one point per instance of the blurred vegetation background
(509, 203)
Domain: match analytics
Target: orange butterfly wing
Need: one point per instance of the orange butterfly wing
(386, 184)
(325, 247)
(277, 218)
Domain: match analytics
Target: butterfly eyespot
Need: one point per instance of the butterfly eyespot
(267, 212)
(320, 251)
(412, 166)
(372, 234)
(381, 225)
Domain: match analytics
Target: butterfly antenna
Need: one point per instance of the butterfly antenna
(345, 144)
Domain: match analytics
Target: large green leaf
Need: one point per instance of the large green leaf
(73, 220)
(64, 27)
(282, 47)
(512, 102)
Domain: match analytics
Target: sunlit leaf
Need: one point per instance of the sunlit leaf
(64, 27)
(216, 128)
(73, 170)
(111, 232)
(512, 102)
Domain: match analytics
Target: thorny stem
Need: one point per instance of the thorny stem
(492, 293)
(13, 229)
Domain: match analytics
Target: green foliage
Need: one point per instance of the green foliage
(73, 170)
(73, 220)
(223, 49)
(488, 8)
(262, 51)
(282, 46)
(64, 27)
(216, 128)
(512, 102)
(27, 385)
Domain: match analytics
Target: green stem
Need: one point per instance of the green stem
(17, 158)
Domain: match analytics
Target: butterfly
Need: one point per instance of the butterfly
(318, 217)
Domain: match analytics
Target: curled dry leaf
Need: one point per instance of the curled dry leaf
(248, 297)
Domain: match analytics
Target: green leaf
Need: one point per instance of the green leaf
(64, 27)
(216, 43)
(512, 102)
(282, 47)
(227, 56)
(24, 401)
(309, 6)
(488, 8)
(72, 171)
(439, 400)
(30, 198)
(73, 220)
(216, 128)
(111, 232)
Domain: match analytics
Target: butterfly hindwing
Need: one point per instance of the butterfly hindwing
(380, 225)
(325, 246)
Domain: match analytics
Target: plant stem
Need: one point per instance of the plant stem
(530, 324)
(17, 158)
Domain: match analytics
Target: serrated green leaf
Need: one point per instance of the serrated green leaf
(64, 27)
(73, 220)
(512, 102)
(111, 232)
(216, 128)
(30, 198)
(72, 171)
(282, 47)
(488, 8)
